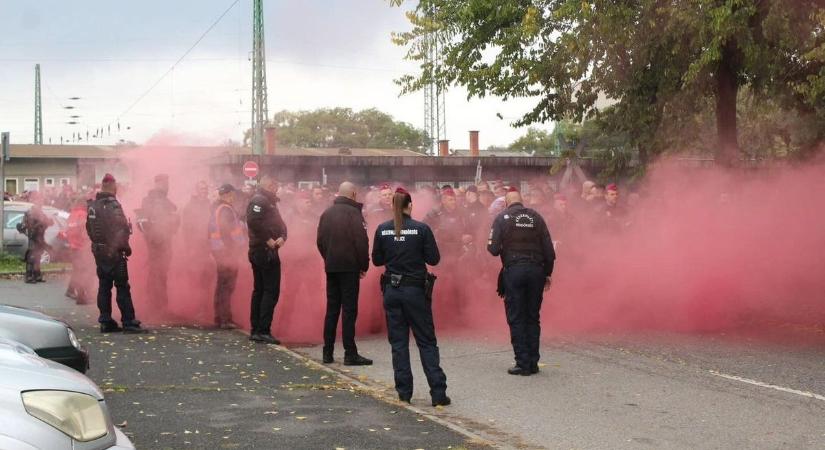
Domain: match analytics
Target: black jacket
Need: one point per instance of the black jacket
(107, 226)
(408, 254)
(520, 236)
(342, 237)
(263, 220)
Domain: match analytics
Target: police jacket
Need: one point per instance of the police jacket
(408, 254)
(159, 219)
(34, 224)
(520, 236)
(107, 226)
(264, 220)
(342, 237)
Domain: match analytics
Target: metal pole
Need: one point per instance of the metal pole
(4, 152)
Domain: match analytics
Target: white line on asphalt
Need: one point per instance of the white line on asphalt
(768, 385)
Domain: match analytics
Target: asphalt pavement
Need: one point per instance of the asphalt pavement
(179, 387)
(183, 387)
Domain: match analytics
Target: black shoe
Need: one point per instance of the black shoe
(110, 327)
(534, 369)
(327, 356)
(405, 399)
(442, 401)
(266, 339)
(516, 370)
(30, 281)
(133, 327)
(357, 360)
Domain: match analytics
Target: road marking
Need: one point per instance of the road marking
(768, 385)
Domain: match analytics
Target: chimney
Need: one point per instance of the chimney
(270, 140)
(473, 143)
(444, 147)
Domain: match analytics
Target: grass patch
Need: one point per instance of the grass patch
(13, 264)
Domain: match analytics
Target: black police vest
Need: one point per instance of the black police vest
(521, 239)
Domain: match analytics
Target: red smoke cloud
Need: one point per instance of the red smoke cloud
(704, 250)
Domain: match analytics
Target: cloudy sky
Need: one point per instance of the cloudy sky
(320, 53)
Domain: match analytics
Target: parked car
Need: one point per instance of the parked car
(17, 243)
(45, 405)
(49, 337)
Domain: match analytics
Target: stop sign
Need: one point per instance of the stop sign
(250, 169)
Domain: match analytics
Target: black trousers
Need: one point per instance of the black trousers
(524, 288)
(266, 275)
(160, 257)
(407, 309)
(33, 257)
(114, 272)
(224, 287)
(342, 295)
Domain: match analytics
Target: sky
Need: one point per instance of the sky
(320, 53)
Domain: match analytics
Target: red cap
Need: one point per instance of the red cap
(449, 192)
(612, 187)
(512, 189)
(108, 178)
(400, 190)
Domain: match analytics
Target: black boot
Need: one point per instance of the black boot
(110, 327)
(327, 356)
(442, 401)
(133, 327)
(38, 277)
(30, 273)
(516, 370)
(357, 360)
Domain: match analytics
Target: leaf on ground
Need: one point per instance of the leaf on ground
(122, 425)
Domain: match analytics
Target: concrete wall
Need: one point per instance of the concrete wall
(42, 170)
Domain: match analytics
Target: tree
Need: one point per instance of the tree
(535, 141)
(342, 127)
(658, 61)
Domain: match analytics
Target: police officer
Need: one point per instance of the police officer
(34, 225)
(520, 236)
(343, 243)
(227, 239)
(405, 247)
(109, 231)
(267, 234)
(159, 222)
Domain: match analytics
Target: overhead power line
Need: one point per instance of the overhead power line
(178, 61)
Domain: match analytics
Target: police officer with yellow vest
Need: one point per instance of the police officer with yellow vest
(521, 238)
(405, 247)
(227, 240)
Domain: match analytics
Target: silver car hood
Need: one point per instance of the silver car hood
(32, 328)
(20, 370)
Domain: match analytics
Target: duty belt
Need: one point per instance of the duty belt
(405, 280)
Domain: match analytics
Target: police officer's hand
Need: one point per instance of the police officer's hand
(547, 283)
(280, 242)
(271, 243)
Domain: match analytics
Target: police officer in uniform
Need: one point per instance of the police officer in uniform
(34, 225)
(109, 232)
(405, 247)
(521, 238)
(267, 234)
(227, 239)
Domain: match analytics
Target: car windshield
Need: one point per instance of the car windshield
(12, 219)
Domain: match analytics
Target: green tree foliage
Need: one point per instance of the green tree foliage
(535, 141)
(342, 127)
(659, 62)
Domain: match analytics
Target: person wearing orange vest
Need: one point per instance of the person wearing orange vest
(227, 240)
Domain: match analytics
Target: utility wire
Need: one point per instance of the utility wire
(186, 53)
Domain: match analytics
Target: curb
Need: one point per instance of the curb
(378, 394)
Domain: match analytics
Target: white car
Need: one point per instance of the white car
(46, 405)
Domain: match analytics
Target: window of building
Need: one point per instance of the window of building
(31, 184)
(65, 181)
(11, 186)
(49, 182)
